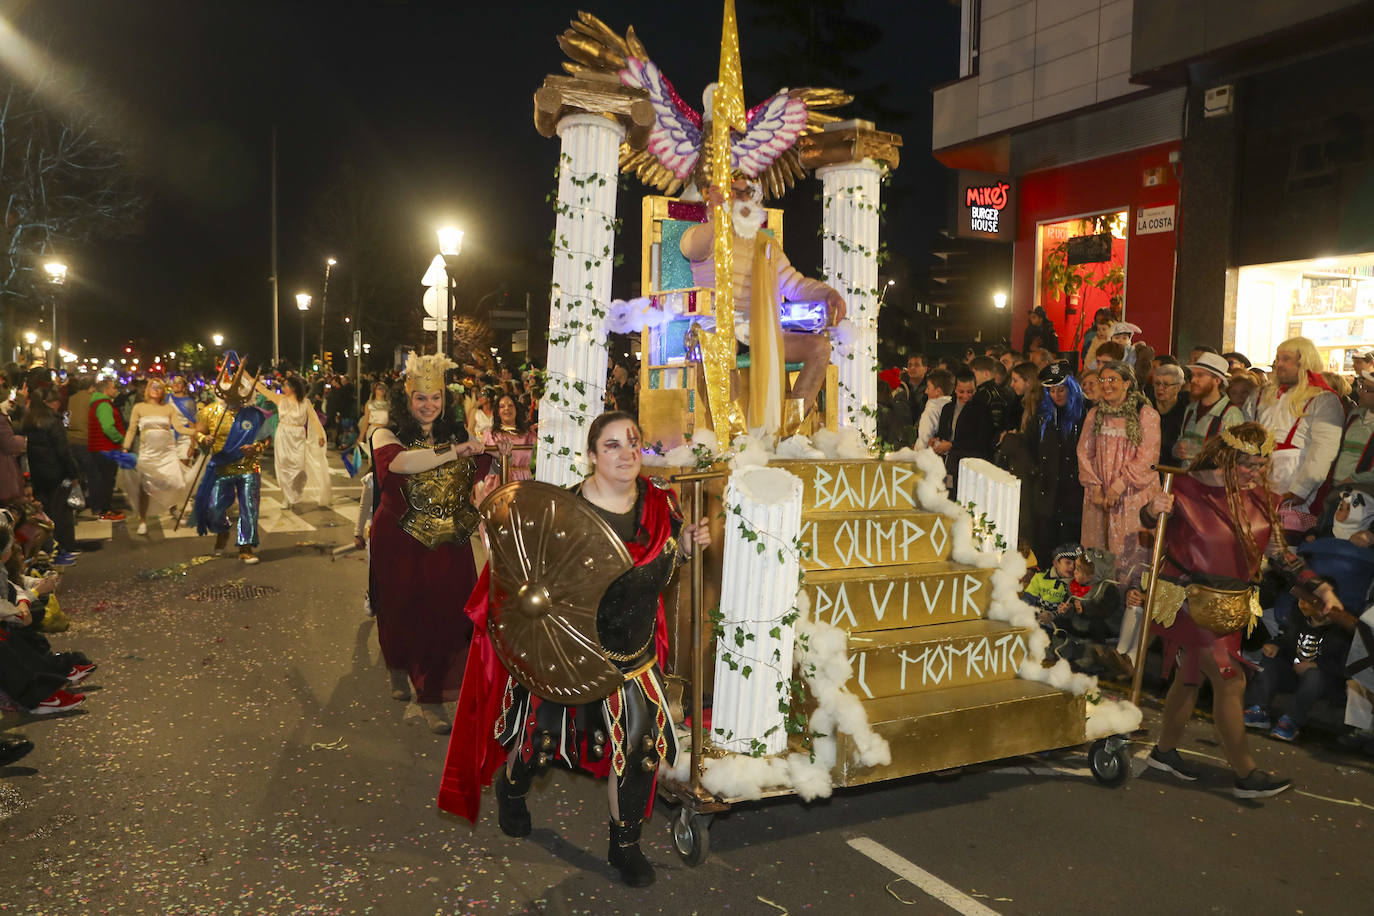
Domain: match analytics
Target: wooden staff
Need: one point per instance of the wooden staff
(1155, 557)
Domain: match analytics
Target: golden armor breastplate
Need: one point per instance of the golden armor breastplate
(439, 505)
(212, 415)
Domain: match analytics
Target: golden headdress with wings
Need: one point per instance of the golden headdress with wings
(675, 154)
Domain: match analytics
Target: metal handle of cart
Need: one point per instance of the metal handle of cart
(698, 568)
(1137, 678)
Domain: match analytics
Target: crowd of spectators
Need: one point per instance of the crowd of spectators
(40, 466)
(1086, 431)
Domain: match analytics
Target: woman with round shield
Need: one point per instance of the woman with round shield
(623, 736)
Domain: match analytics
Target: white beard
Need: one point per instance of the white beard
(746, 227)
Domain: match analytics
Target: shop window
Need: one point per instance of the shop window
(971, 27)
(1080, 268)
(1330, 301)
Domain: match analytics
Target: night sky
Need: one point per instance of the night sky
(430, 102)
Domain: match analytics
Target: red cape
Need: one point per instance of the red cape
(474, 755)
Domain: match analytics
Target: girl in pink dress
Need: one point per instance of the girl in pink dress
(1116, 456)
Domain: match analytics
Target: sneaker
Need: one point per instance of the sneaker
(221, 541)
(64, 558)
(1260, 784)
(1257, 717)
(1354, 740)
(112, 516)
(79, 673)
(247, 557)
(1286, 730)
(60, 701)
(142, 528)
(1171, 762)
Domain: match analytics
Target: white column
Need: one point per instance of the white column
(850, 251)
(758, 590)
(993, 492)
(583, 250)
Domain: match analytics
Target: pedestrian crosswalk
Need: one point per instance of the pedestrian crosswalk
(274, 517)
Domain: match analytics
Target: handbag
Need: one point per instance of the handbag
(76, 498)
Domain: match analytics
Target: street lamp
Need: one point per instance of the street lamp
(57, 275)
(217, 339)
(303, 303)
(450, 247)
(324, 299)
(886, 289)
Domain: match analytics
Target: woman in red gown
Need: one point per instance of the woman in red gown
(421, 567)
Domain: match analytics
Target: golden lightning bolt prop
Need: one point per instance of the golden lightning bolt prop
(718, 348)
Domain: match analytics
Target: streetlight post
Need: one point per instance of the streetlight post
(303, 303)
(57, 275)
(324, 303)
(217, 340)
(450, 246)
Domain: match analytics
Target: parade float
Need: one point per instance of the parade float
(851, 623)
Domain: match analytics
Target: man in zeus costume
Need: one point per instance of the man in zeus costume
(229, 428)
(763, 275)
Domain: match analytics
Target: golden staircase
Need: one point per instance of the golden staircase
(937, 678)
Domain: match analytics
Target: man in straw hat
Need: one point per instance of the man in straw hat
(1209, 410)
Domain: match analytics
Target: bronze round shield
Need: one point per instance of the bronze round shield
(551, 560)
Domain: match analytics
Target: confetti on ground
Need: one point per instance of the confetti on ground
(177, 569)
(336, 745)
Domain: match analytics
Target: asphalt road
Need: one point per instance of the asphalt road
(239, 753)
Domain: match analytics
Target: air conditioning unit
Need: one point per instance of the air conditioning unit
(1217, 102)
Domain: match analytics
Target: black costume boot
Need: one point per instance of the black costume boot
(511, 812)
(13, 747)
(625, 854)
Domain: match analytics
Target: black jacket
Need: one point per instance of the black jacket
(973, 437)
(1049, 337)
(1170, 428)
(895, 420)
(991, 396)
(915, 396)
(50, 458)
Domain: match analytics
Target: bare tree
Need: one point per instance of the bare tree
(354, 220)
(471, 340)
(64, 181)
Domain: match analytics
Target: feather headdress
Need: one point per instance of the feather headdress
(426, 373)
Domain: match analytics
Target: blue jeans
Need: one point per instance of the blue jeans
(1277, 675)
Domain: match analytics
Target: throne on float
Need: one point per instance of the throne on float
(671, 385)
